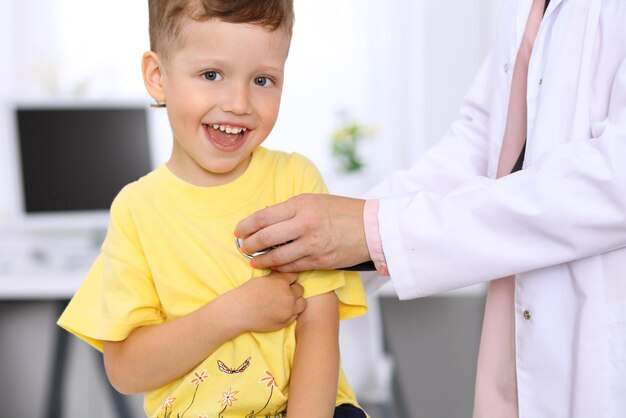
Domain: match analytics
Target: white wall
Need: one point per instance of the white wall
(7, 77)
(456, 38)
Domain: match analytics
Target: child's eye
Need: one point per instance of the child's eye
(263, 81)
(212, 76)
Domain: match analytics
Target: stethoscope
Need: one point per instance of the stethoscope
(239, 241)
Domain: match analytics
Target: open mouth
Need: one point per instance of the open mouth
(225, 137)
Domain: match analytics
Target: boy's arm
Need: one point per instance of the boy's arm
(313, 386)
(155, 355)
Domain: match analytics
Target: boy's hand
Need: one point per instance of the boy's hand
(266, 303)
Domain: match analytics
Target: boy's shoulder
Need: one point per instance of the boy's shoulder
(285, 160)
(144, 182)
(294, 172)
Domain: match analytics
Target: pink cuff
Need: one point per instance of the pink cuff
(372, 236)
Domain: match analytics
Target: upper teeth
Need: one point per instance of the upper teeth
(229, 129)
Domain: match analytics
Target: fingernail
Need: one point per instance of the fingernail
(236, 234)
(253, 263)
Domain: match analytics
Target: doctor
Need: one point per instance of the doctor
(550, 238)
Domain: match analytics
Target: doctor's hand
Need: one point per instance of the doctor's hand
(320, 232)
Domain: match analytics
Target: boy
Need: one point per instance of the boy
(178, 312)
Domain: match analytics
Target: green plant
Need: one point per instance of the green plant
(345, 142)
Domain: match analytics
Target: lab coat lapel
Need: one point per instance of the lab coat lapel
(554, 4)
(564, 77)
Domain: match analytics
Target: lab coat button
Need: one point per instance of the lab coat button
(540, 81)
(506, 67)
(527, 315)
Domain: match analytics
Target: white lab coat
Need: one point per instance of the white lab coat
(559, 225)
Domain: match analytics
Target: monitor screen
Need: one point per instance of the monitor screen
(75, 159)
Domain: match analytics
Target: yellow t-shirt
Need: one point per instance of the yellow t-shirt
(169, 250)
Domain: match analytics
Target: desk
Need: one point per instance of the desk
(59, 286)
(45, 286)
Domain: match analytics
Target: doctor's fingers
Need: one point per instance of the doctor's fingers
(303, 215)
(313, 262)
(295, 249)
(263, 218)
(271, 237)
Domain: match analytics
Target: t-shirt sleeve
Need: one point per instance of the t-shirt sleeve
(347, 285)
(118, 294)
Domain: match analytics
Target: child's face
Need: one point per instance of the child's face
(222, 86)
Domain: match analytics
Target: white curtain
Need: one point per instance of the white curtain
(425, 55)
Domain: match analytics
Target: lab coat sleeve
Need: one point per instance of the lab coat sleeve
(461, 154)
(568, 205)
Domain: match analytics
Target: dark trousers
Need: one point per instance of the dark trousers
(348, 411)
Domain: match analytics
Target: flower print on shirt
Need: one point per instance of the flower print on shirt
(199, 378)
(269, 382)
(227, 400)
(168, 403)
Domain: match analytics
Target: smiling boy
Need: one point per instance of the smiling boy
(223, 87)
(178, 312)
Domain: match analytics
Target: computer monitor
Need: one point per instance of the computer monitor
(74, 158)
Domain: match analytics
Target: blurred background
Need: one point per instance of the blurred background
(385, 78)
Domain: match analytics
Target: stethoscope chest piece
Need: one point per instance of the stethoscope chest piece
(239, 241)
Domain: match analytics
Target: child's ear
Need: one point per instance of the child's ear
(151, 67)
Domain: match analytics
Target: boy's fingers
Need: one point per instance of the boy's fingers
(297, 290)
(300, 305)
(288, 277)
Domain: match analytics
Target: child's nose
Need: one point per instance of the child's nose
(237, 99)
